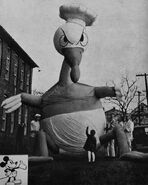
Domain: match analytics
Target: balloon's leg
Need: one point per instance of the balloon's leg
(119, 135)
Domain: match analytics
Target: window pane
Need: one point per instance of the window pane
(15, 68)
(19, 115)
(28, 78)
(7, 65)
(25, 121)
(12, 123)
(27, 89)
(0, 54)
(22, 77)
(15, 91)
(3, 127)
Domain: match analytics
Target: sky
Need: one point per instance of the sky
(118, 40)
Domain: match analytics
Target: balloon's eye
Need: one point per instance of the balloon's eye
(84, 39)
(63, 40)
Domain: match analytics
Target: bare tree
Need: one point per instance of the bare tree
(128, 89)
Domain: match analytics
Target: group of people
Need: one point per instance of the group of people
(111, 147)
(34, 128)
(91, 142)
(128, 127)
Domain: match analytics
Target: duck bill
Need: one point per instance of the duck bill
(73, 58)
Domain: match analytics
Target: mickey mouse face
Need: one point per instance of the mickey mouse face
(70, 35)
(11, 164)
(8, 163)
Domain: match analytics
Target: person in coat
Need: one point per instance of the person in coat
(90, 145)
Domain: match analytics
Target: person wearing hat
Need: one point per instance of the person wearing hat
(34, 128)
(35, 124)
(129, 128)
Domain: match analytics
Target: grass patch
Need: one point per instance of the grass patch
(65, 170)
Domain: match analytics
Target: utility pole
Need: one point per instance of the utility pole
(139, 93)
(146, 86)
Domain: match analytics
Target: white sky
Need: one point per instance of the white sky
(118, 40)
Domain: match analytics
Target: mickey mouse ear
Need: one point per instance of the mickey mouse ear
(77, 12)
(2, 164)
(6, 158)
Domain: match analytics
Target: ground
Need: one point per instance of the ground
(77, 171)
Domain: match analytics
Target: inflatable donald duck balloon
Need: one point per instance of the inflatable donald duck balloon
(69, 106)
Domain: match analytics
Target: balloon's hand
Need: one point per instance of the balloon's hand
(12, 103)
(22, 165)
(118, 93)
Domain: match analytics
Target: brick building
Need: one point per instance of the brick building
(140, 115)
(15, 77)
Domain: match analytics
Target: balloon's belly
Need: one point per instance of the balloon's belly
(69, 130)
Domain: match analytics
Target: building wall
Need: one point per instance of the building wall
(15, 77)
(140, 115)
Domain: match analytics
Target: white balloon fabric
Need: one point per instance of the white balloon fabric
(69, 130)
(77, 11)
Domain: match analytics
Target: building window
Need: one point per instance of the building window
(25, 121)
(28, 79)
(3, 127)
(27, 89)
(0, 54)
(4, 117)
(7, 66)
(22, 77)
(19, 115)
(12, 123)
(28, 82)
(15, 91)
(15, 69)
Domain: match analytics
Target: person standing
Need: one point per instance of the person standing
(129, 128)
(90, 145)
(112, 143)
(35, 128)
(107, 145)
(35, 125)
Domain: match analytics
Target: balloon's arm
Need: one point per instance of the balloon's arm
(14, 102)
(31, 100)
(105, 91)
(87, 132)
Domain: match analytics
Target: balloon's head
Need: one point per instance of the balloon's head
(71, 38)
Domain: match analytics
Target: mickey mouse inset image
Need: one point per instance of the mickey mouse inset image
(10, 168)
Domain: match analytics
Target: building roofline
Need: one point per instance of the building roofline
(113, 109)
(136, 108)
(141, 126)
(12, 43)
